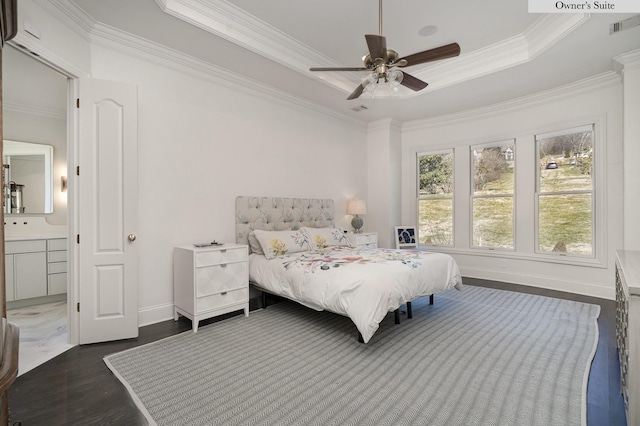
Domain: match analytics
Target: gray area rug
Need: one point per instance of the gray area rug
(476, 357)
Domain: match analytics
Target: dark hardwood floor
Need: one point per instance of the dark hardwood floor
(76, 387)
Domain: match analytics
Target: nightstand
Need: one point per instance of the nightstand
(364, 239)
(210, 281)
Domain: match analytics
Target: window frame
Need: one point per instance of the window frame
(472, 196)
(450, 151)
(596, 165)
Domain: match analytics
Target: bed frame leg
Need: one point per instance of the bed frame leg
(409, 310)
(264, 300)
(360, 339)
(431, 299)
(396, 313)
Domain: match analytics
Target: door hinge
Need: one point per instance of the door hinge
(77, 102)
(78, 306)
(77, 170)
(77, 238)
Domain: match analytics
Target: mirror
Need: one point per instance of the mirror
(28, 174)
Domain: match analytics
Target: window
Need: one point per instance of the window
(435, 198)
(564, 192)
(492, 195)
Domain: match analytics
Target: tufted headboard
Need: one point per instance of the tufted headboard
(276, 214)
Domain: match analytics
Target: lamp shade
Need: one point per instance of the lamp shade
(356, 207)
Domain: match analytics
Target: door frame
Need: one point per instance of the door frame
(73, 74)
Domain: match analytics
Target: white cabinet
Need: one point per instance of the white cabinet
(364, 239)
(28, 260)
(28, 268)
(628, 330)
(210, 281)
(57, 266)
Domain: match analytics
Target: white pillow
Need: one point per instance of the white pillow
(279, 243)
(327, 237)
(254, 244)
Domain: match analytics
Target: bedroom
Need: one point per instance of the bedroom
(207, 135)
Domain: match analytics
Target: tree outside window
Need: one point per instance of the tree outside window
(435, 198)
(492, 197)
(565, 191)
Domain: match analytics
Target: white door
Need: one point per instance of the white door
(107, 211)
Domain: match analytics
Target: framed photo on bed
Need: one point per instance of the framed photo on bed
(406, 237)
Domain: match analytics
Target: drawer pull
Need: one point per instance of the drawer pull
(224, 265)
(224, 293)
(223, 251)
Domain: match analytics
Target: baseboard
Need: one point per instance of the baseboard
(159, 313)
(564, 285)
(155, 314)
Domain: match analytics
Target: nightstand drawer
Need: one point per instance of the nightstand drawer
(219, 278)
(364, 240)
(220, 300)
(220, 256)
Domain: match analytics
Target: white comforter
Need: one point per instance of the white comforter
(363, 284)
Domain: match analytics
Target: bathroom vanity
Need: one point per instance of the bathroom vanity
(35, 261)
(35, 268)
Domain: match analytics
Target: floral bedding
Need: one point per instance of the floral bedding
(363, 284)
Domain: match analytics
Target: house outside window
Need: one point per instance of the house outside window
(435, 198)
(565, 192)
(492, 195)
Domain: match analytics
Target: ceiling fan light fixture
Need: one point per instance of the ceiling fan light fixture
(381, 63)
(394, 77)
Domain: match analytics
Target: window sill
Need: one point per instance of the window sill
(531, 257)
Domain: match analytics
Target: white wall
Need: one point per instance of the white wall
(383, 179)
(201, 144)
(631, 81)
(599, 99)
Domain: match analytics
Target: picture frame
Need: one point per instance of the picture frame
(406, 237)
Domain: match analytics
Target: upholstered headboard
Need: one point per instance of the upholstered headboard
(276, 214)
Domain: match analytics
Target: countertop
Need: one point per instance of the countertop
(629, 261)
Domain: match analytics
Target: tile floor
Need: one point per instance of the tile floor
(43, 333)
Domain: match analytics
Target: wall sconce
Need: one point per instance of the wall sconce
(63, 186)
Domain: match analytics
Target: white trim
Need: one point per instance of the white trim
(222, 18)
(538, 281)
(598, 149)
(35, 110)
(578, 129)
(587, 85)
(155, 314)
(139, 48)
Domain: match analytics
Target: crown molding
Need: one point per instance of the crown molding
(522, 48)
(98, 34)
(588, 85)
(626, 61)
(67, 12)
(232, 23)
(139, 48)
(34, 110)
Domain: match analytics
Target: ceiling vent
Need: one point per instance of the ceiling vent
(616, 27)
(359, 108)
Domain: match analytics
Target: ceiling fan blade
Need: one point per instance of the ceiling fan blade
(412, 82)
(356, 93)
(377, 45)
(442, 52)
(339, 69)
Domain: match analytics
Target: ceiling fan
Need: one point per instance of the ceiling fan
(383, 63)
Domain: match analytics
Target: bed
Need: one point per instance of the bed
(296, 252)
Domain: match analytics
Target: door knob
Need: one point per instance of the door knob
(132, 237)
